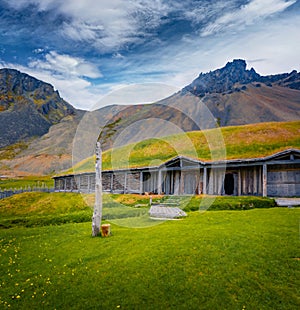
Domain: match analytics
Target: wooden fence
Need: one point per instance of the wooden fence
(10, 192)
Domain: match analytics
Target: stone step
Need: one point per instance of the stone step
(163, 212)
(287, 202)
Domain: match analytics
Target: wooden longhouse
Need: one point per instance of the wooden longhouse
(277, 175)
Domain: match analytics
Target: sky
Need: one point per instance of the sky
(88, 49)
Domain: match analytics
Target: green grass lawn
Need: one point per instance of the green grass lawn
(247, 259)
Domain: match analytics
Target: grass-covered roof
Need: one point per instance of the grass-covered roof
(234, 142)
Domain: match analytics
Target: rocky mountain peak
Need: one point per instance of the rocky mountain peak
(19, 89)
(20, 83)
(222, 80)
(236, 65)
(28, 106)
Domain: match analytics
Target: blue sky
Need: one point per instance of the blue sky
(88, 48)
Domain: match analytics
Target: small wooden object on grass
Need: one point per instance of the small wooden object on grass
(105, 230)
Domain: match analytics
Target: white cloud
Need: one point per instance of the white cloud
(118, 56)
(81, 31)
(38, 50)
(66, 65)
(112, 24)
(208, 11)
(247, 14)
(107, 25)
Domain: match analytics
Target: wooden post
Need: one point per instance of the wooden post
(112, 183)
(98, 193)
(204, 180)
(79, 185)
(159, 184)
(244, 181)
(125, 182)
(89, 183)
(181, 182)
(265, 190)
(259, 180)
(254, 181)
(141, 182)
(239, 183)
(210, 185)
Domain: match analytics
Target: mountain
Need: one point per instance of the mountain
(230, 78)
(42, 134)
(222, 80)
(228, 96)
(29, 107)
(37, 126)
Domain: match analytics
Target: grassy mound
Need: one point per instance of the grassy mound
(40, 209)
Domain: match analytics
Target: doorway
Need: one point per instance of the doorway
(229, 184)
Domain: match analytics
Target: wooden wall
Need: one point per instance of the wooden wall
(256, 180)
(283, 180)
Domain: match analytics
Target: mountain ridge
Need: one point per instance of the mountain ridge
(228, 96)
(224, 79)
(28, 106)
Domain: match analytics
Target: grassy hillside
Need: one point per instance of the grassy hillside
(25, 182)
(41, 155)
(212, 260)
(248, 141)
